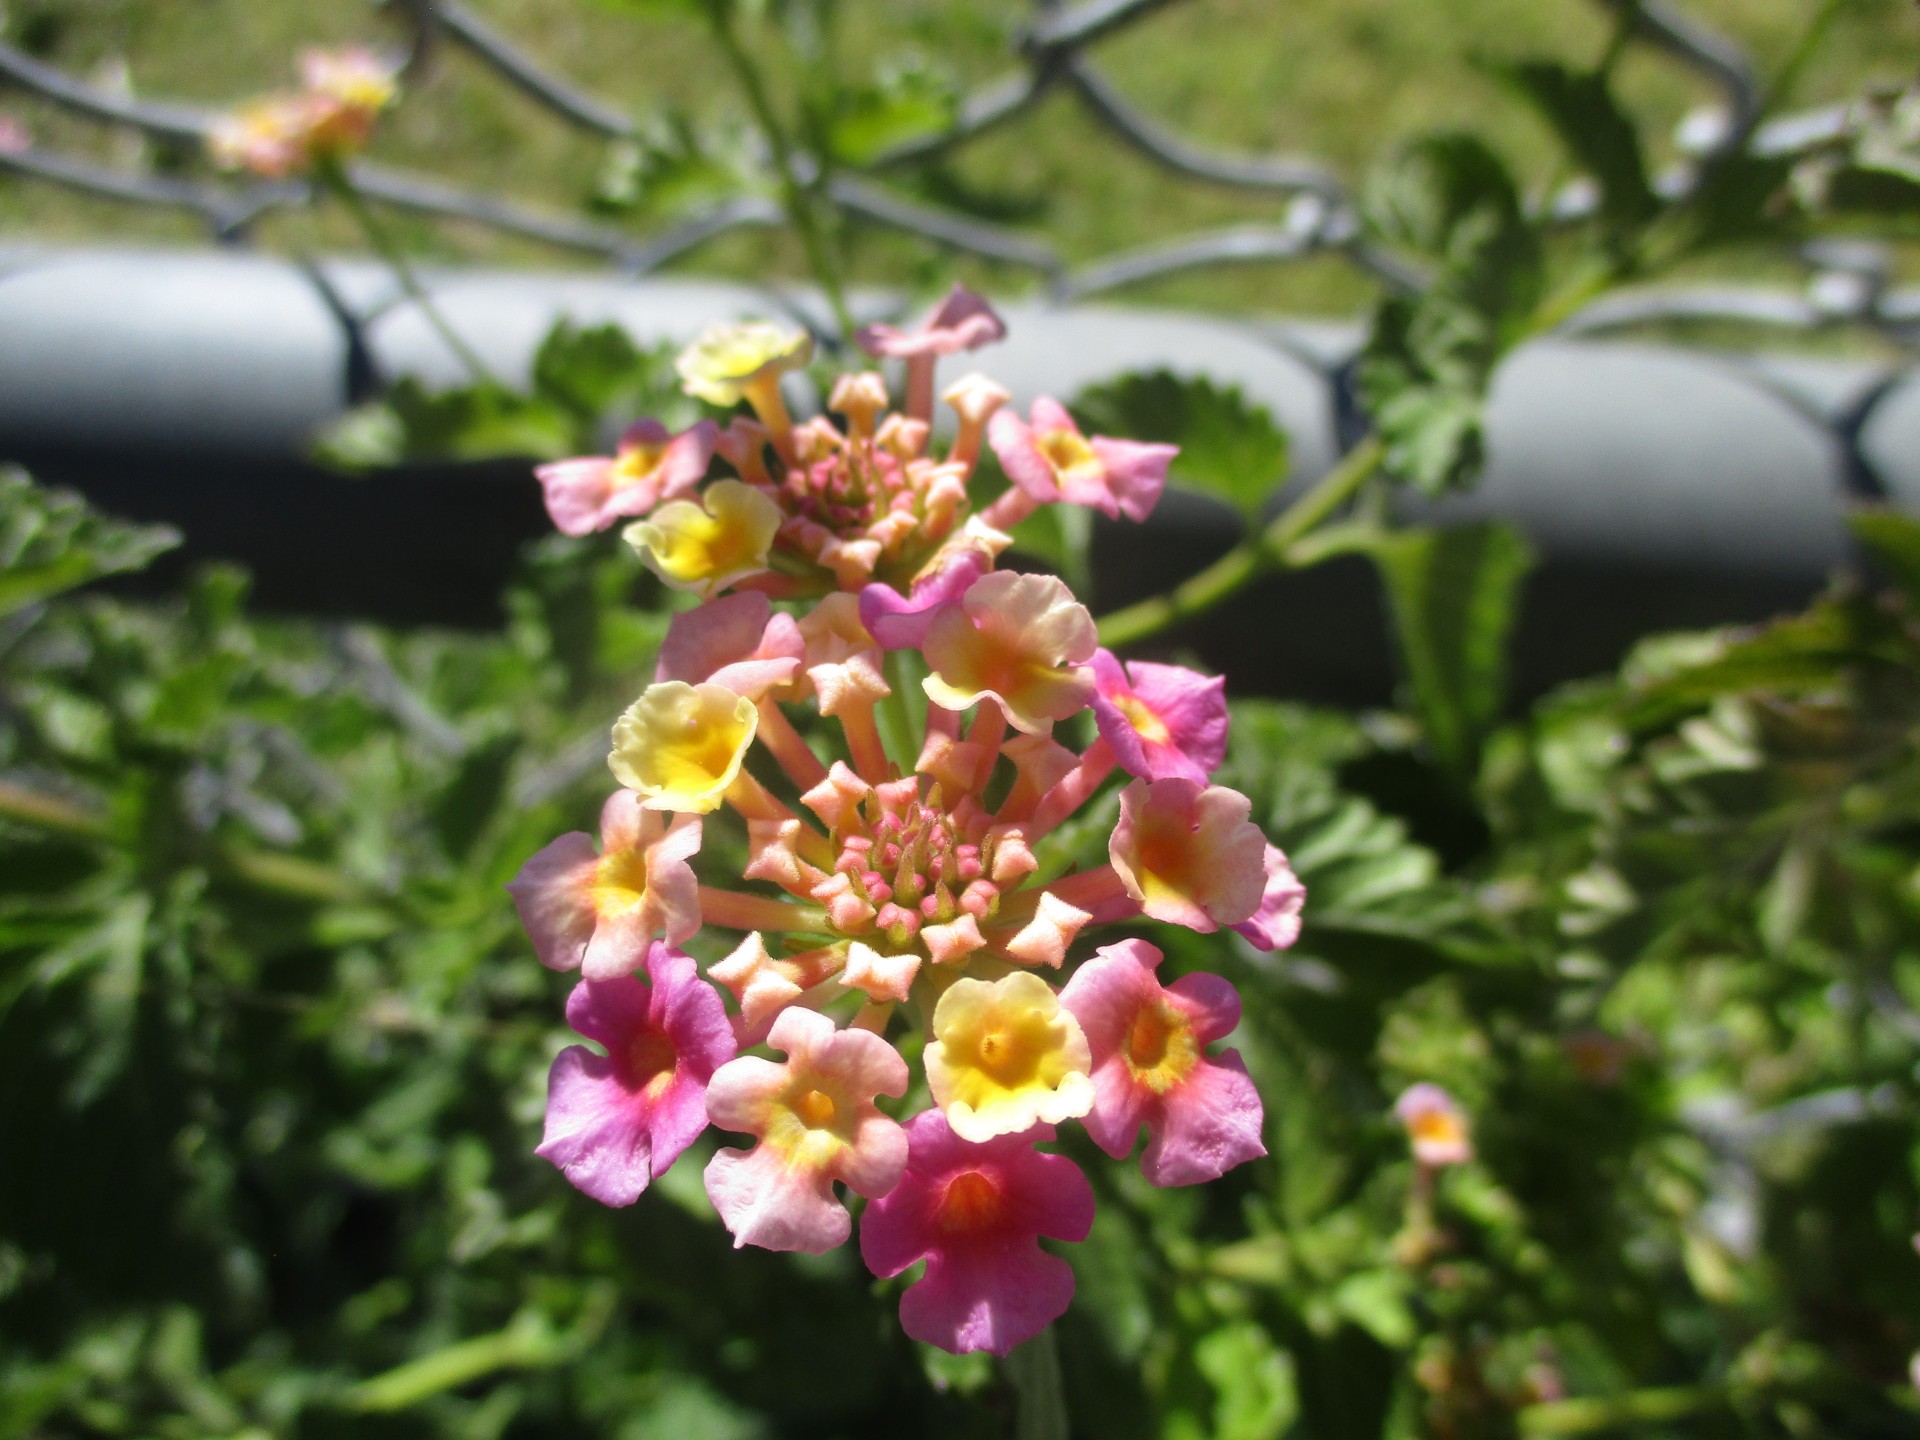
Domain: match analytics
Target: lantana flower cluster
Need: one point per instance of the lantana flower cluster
(899, 1018)
(328, 119)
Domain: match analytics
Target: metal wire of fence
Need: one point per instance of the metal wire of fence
(1846, 283)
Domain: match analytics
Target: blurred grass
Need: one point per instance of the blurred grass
(1340, 80)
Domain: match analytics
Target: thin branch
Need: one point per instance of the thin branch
(1708, 51)
(226, 213)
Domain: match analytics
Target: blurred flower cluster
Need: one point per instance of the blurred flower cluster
(329, 118)
(881, 707)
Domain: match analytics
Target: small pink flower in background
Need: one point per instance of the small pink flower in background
(1436, 1125)
(1163, 721)
(975, 1214)
(615, 1121)
(738, 641)
(650, 465)
(1151, 1066)
(1276, 924)
(1020, 640)
(595, 912)
(14, 137)
(1188, 855)
(1050, 461)
(817, 1123)
(962, 321)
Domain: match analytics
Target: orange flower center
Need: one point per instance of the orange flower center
(971, 1203)
(652, 1060)
(815, 1109)
(1160, 1049)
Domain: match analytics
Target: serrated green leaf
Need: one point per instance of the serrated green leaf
(1894, 539)
(1453, 594)
(1598, 133)
(1230, 448)
(1430, 356)
(52, 541)
(908, 101)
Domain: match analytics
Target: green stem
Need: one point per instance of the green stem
(1259, 554)
(47, 812)
(334, 178)
(799, 204)
(288, 876)
(1039, 1398)
(1593, 1414)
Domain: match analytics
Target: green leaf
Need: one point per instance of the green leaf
(1256, 1395)
(477, 422)
(1453, 596)
(1601, 137)
(1894, 539)
(1424, 373)
(907, 101)
(1230, 447)
(52, 541)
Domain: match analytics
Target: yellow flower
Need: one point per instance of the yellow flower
(1005, 1057)
(680, 746)
(726, 364)
(706, 545)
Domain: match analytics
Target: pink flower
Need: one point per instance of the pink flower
(1050, 460)
(615, 1121)
(962, 321)
(650, 465)
(1188, 855)
(975, 1213)
(596, 912)
(15, 139)
(1436, 1125)
(1021, 640)
(1163, 721)
(738, 641)
(1276, 924)
(817, 1123)
(900, 622)
(1151, 1066)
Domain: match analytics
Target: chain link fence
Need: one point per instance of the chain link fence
(1848, 283)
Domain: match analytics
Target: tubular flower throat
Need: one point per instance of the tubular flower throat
(884, 712)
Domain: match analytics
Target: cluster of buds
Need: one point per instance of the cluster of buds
(329, 118)
(909, 889)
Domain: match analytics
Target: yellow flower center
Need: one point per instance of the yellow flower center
(1141, 718)
(636, 463)
(970, 1203)
(619, 881)
(1160, 1048)
(1066, 451)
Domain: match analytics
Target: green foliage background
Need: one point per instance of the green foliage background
(272, 1055)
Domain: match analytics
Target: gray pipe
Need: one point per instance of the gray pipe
(1613, 456)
